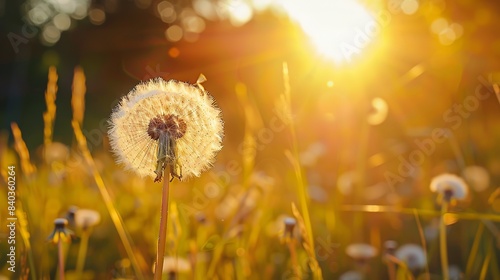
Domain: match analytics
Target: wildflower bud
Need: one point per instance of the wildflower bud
(60, 231)
(60, 223)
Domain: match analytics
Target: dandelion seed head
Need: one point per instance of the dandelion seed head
(187, 112)
(175, 265)
(390, 246)
(351, 275)
(450, 186)
(361, 251)
(85, 218)
(413, 255)
(478, 177)
(170, 124)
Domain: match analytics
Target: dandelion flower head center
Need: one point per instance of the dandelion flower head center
(170, 124)
(60, 223)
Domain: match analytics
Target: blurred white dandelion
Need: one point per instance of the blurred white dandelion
(413, 255)
(174, 265)
(449, 187)
(166, 122)
(361, 251)
(85, 218)
(478, 177)
(351, 275)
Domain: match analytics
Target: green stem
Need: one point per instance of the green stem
(162, 235)
(60, 255)
(82, 253)
(486, 263)
(442, 242)
(473, 251)
(424, 243)
(293, 256)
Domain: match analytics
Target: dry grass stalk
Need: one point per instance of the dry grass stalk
(50, 101)
(78, 96)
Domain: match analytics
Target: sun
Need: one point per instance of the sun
(339, 29)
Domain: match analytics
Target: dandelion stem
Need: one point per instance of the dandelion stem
(442, 241)
(424, 244)
(82, 253)
(486, 263)
(392, 270)
(162, 235)
(60, 255)
(293, 256)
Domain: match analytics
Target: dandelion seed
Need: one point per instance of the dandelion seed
(449, 187)
(166, 123)
(413, 255)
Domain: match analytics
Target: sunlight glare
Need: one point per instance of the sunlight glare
(338, 28)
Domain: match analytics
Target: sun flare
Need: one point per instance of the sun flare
(339, 29)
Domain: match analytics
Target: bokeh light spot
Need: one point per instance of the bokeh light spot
(50, 35)
(62, 22)
(174, 52)
(166, 11)
(97, 16)
(174, 33)
(409, 7)
(439, 25)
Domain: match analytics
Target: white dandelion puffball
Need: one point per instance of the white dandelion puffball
(413, 255)
(450, 186)
(478, 177)
(361, 251)
(85, 218)
(184, 111)
(175, 265)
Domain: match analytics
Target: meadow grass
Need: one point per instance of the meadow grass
(237, 230)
